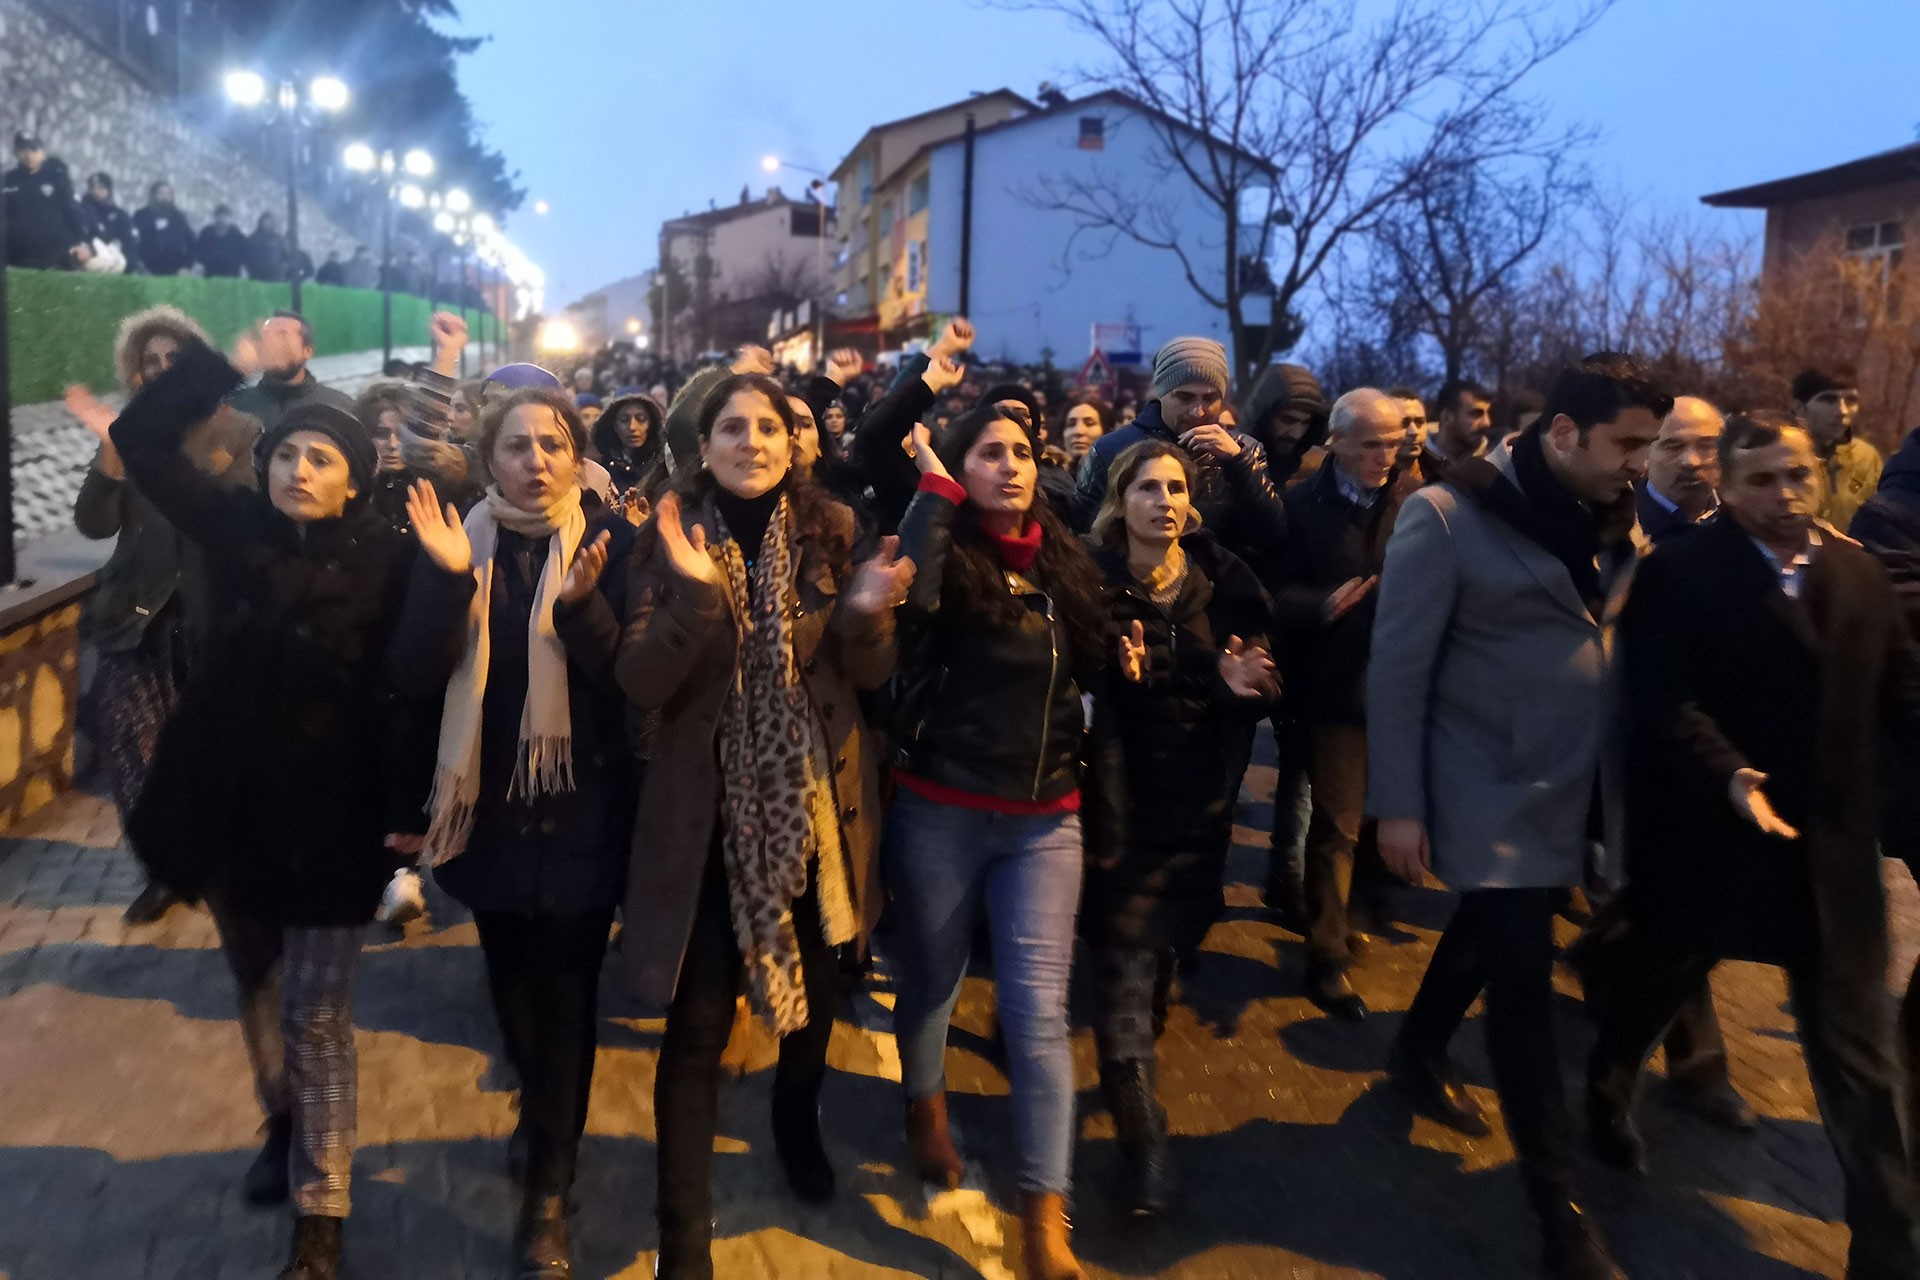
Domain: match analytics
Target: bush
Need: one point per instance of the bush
(62, 323)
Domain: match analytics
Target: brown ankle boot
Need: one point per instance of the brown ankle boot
(930, 1142)
(1044, 1232)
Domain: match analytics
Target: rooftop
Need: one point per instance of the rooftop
(1902, 164)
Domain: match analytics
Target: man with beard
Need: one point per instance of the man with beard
(279, 390)
(1829, 403)
(44, 230)
(166, 238)
(1766, 661)
(1462, 429)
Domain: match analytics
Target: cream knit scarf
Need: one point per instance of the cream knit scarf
(544, 761)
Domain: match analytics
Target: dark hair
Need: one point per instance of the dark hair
(975, 580)
(223, 209)
(1110, 524)
(158, 183)
(1407, 393)
(101, 179)
(306, 325)
(1095, 403)
(496, 419)
(1450, 392)
(377, 399)
(1754, 429)
(1599, 389)
(1809, 383)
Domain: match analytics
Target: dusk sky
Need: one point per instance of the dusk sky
(624, 114)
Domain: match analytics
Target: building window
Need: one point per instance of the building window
(917, 194)
(866, 180)
(1093, 133)
(886, 219)
(1877, 240)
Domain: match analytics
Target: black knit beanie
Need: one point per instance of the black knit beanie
(337, 424)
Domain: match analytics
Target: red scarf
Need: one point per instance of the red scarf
(1020, 551)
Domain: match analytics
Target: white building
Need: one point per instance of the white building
(728, 268)
(1040, 278)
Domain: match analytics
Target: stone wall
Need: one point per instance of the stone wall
(94, 114)
(39, 695)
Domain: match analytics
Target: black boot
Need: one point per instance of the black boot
(1431, 1085)
(1574, 1249)
(267, 1178)
(153, 902)
(518, 1148)
(1133, 1098)
(316, 1249)
(803, 1156)
(541, 1240)
(686, 1249)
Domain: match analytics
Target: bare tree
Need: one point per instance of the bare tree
(1302, 127)
(1442, 255)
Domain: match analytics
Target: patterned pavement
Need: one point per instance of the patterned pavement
(126, 1119)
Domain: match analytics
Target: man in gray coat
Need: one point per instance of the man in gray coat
(1491, 722)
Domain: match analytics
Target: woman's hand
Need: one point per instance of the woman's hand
(442, 537)
(754, 360)
(583, 575)
(89, 411)
(449, 335)
(920, 449)
(943, 372)
(686, 553)
(633, 508)
(844, 365)
(1133, 653)
(1248, 672)
(881, 583)
(954, 340)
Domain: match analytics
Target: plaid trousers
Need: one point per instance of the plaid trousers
(296, 1016)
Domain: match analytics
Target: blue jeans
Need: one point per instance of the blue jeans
(942, 861)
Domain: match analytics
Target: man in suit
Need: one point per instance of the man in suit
(1764, 657)
(1679, 493)
(1338, 525)
(1489, 727)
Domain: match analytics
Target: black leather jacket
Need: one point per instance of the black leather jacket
(981, 707)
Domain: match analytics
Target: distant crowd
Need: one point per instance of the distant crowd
(50, 228)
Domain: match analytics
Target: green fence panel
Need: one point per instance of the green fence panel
(62, 323)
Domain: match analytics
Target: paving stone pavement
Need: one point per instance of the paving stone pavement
(51, 451)
(126, 1119)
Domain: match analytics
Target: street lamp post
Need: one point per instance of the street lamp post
(248, 89)
(817, 190)
(387, 168)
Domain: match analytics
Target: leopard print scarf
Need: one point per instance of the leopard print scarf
(780, 815)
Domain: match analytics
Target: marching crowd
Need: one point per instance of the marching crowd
(724, 686)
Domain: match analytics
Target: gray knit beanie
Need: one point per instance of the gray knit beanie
(1187, 360)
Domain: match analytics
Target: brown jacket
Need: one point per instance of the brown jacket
(677, 655)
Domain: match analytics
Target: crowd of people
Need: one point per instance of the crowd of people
(51, 227)
(777, 684)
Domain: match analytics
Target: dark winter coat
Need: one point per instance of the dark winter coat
(269, 400)
(1236, 498)
(43, 220)
(222, 250)
(563, 854)
(1888, 524)
(1168, 753)
(268, 782)
(678, 655)
(107, 221)
(1330, 541)
(1724, 671)
(166, 240)
(1656, 522)
(267, 257)
(981, 706)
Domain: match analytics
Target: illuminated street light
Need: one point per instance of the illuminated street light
(412, 197)
(360, 158)
(483, 225)
(770, 163)
(633, 324)
(458, 201)
(542, 208)
(246, 88)
(444, 223)
(419, 163)
(559, 337)
(328, 94)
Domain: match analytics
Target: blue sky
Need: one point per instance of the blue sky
(622, 113)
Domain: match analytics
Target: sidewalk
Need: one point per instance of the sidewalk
(51, 451)
(126, 1121)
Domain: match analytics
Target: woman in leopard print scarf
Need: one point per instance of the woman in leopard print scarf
(750, 630)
